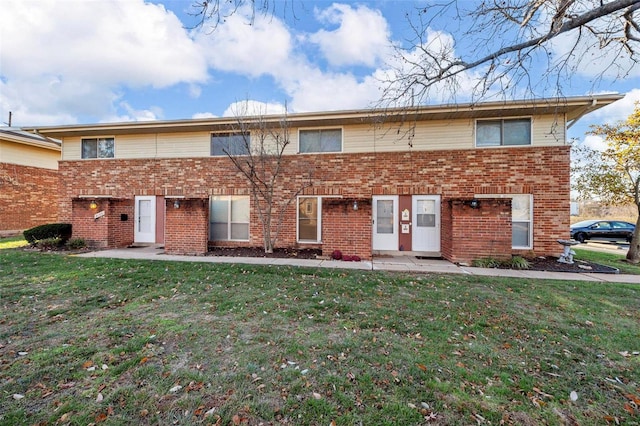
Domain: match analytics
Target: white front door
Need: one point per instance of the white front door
(145, 213)
(385, 222)
(426, 223)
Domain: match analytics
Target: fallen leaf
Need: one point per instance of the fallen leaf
(64, 418)
(99, 398)
(175, 389)
(316, 395)
(144, 360)
(144, 413)
(422, 367)
(101, 418)
(574, 396)
(17, 396)
(87, 364)
(634, 398)
(628, 408)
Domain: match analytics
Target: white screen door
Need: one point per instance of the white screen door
(145, 212)
(426, 223)
(385, 223)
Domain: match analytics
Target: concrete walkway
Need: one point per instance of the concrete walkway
(396, 263)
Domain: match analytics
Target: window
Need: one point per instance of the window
(230, 143)
(98, 148)
(309, 218)
(521, 218)
(320, 140)
(229, 218)
(521, 213)
(503, 132)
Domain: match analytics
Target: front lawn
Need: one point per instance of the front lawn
(609, 259)
(111, 342)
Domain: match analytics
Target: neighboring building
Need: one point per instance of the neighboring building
(458, 181)
(28, 180)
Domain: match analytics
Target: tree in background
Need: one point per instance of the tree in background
(256, 146)
(613, 175)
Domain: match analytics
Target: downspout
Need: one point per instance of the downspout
(584, 112)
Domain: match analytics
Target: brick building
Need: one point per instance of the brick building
(457, 181)
(28, 180)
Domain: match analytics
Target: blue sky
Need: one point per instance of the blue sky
(89, 61)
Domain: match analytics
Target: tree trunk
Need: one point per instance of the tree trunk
(633, 255)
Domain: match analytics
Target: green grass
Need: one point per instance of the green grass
(608, 259)
(114, 342)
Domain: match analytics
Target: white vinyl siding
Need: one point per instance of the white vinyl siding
(27, 155)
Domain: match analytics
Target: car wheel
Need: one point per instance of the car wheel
(629, 238)
(581, 237)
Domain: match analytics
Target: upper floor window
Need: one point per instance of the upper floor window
(503, 132)
(98, 148)
(230, 143)
(320, 140)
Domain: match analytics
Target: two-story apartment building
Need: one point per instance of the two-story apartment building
(28, 180)
(457, 181)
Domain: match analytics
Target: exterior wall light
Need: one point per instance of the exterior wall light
(93, 205)
(176, 204)
(474, 204)
(355, 205)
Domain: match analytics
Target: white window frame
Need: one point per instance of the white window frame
(530, 221)
(228, 134)
(318, 239)
(312, 129)
(97, 139)
(502, 121)
(228, 199)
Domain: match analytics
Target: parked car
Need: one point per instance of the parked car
(611, 230)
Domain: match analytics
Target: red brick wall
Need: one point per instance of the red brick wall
(474, 233)
(94, 231)
(28, 197)
(346, 229)
(541, 171)
(187, 227)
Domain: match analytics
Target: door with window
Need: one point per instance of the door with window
(426, 223)
(145, 223)
(385, 222)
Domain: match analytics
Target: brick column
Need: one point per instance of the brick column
(186, 227)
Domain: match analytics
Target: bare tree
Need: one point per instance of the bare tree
(506, 39)
(258, 150)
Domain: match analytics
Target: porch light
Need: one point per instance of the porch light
(474, 204)
(355, 204)
(93, 205)
(176, 204)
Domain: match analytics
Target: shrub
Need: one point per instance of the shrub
(486, 262)
(76, 243)
(519, 262)
(50, 230)
(336, 255)
(49, 243)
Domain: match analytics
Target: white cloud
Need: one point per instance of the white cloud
(595, 142)
(199, 115)
(361, 38)
(264, 47)
(253, 108)
(133, 114)
(77, 56)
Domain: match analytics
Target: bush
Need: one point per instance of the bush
(49, 243)
(76, 243)
(48, 231)
(519, 262)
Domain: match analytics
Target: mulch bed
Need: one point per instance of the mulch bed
(279, 253)
(551, 264)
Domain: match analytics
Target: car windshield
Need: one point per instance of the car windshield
(583, 224)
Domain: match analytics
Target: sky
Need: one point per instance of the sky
(95, 61)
